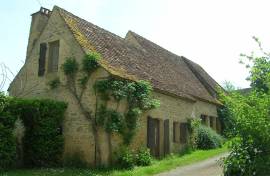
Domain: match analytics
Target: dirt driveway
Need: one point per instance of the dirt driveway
(209, 167)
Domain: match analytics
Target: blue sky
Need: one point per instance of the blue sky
(211, 32)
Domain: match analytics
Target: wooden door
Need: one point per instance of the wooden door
(166, 137)
(153, 136)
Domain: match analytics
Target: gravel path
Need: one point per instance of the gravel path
(209, 167)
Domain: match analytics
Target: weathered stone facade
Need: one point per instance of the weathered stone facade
(50, 27)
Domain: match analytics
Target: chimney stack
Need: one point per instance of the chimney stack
(39, 21)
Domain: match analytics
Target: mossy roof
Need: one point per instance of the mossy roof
(141, 59)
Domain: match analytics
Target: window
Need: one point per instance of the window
(42, 57)
(203, 118)
(183, 133)
(53, 56)
(176, 132)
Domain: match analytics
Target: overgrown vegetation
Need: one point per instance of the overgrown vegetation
(137, 94)
(7, 139)
(42, 141)
(250, 153)
(125, 122)
(203, 137)
(128, 159)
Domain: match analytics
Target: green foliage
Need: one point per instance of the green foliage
(126, 159)
(252, 125)
(54, 83)
(110, 120)
(143, 157)
(203, 137)
(43, 140)
(7, 139)
(90, 62)
(206, 138)
(70, 66)
(250, 153)
(259, 68)
(74, 161)
(138, 96)
(227, 121)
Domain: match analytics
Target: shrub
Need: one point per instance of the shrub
(143, 157)
(7, 139)
(74, 161)
(126, 159)
(7, 147)
(206, 138)
(43, 141)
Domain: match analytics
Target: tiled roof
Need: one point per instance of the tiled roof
(139, 59)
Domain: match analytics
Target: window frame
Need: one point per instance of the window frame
(53, 65)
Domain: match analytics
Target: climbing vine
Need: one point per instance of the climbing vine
(71, 69)
(137, 94)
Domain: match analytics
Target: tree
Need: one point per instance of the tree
(250, 154)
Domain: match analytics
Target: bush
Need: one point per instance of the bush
(74, 161)
(43, 141)
(126, 159)
(7, 139)
(7, 147)
(143, 157)
(206, 138)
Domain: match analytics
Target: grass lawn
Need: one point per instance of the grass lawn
(158, 166)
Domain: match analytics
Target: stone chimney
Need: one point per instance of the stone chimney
(39, 21)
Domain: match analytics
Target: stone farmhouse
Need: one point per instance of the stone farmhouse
(184, 88)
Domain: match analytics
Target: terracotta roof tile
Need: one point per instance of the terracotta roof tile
(144, 60)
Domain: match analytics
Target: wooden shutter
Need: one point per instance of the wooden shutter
(183, 133)
(42, 58)
(53, 56)
(166, 137)
(174, 131)
(153, 136)
(211, 122)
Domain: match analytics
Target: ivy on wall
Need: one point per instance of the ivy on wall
(136, 93)
(138, 98)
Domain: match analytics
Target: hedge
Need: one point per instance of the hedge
(7, 139)
(43, 140)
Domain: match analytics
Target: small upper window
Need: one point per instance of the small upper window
(53, 56)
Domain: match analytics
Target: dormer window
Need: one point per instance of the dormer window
(53, 56)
